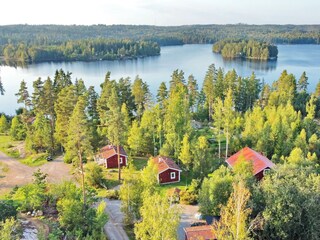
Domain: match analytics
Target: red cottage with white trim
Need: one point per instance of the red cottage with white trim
(260, 163)
(168, 170)
(108, 156)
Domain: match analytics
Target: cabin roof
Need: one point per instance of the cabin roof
(259, 161)
(165, 163)
(199, 232)
(110, 150)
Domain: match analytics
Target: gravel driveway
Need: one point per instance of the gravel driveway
(187, 218)
(20, 174)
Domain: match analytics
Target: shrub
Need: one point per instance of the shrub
(7, 210)
(187, 197)
(112, 194)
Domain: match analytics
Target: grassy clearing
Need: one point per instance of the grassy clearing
(35, 160)
(112, 174)
(182, 185)
(8, 146)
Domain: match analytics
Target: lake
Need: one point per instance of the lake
(192, 59)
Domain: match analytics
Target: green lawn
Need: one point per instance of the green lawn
(7, 145)
(35, 160)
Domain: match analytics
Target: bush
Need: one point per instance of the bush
(112, 194)
(7, 210)
(187, 197)
(94, 175)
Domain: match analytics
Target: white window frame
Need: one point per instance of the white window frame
(120, 160)
(172, 175)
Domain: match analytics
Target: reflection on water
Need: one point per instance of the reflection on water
(254, 65)
(192, 59)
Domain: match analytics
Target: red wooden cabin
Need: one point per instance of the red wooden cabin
(168, 170)
(108, 156)
(260, 163)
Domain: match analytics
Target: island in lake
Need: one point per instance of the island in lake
(247, 49)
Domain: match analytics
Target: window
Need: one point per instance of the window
(172, 175)
(120, 160)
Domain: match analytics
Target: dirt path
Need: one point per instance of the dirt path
(20, 174)
(114, 227)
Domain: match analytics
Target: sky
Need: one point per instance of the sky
(159, 12)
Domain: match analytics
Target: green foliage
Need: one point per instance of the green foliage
(290, 197)
(215, 191)
(31, 196)
(81, 50)
(8, 210)
(4, 125)
(94, 175)
(17, 129)
(235, 215)
(159, 219)
(79, 145)
(9, 229)
(248, 49)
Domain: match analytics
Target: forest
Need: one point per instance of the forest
(249, 49)
(85, 50)
(278, 120)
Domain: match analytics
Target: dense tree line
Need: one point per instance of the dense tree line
(57, 34)
(85, 50)
(246, 49)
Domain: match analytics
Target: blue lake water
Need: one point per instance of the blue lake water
(192, 59)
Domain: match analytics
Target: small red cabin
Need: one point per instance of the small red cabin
(108, 156)
(168, 170)
(260, 163)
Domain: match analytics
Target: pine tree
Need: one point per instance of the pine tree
(162, 94)
(78, 147)
(93, 116)
(209, 87)
(37, 96)
(142, 96)
(23, 95)
(103, 102)
(192, 92)
(125, 95)
(303, 83)
(64, 106)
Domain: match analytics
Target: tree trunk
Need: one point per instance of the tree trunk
(82, 176)
(119, 168)
(227, 143)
